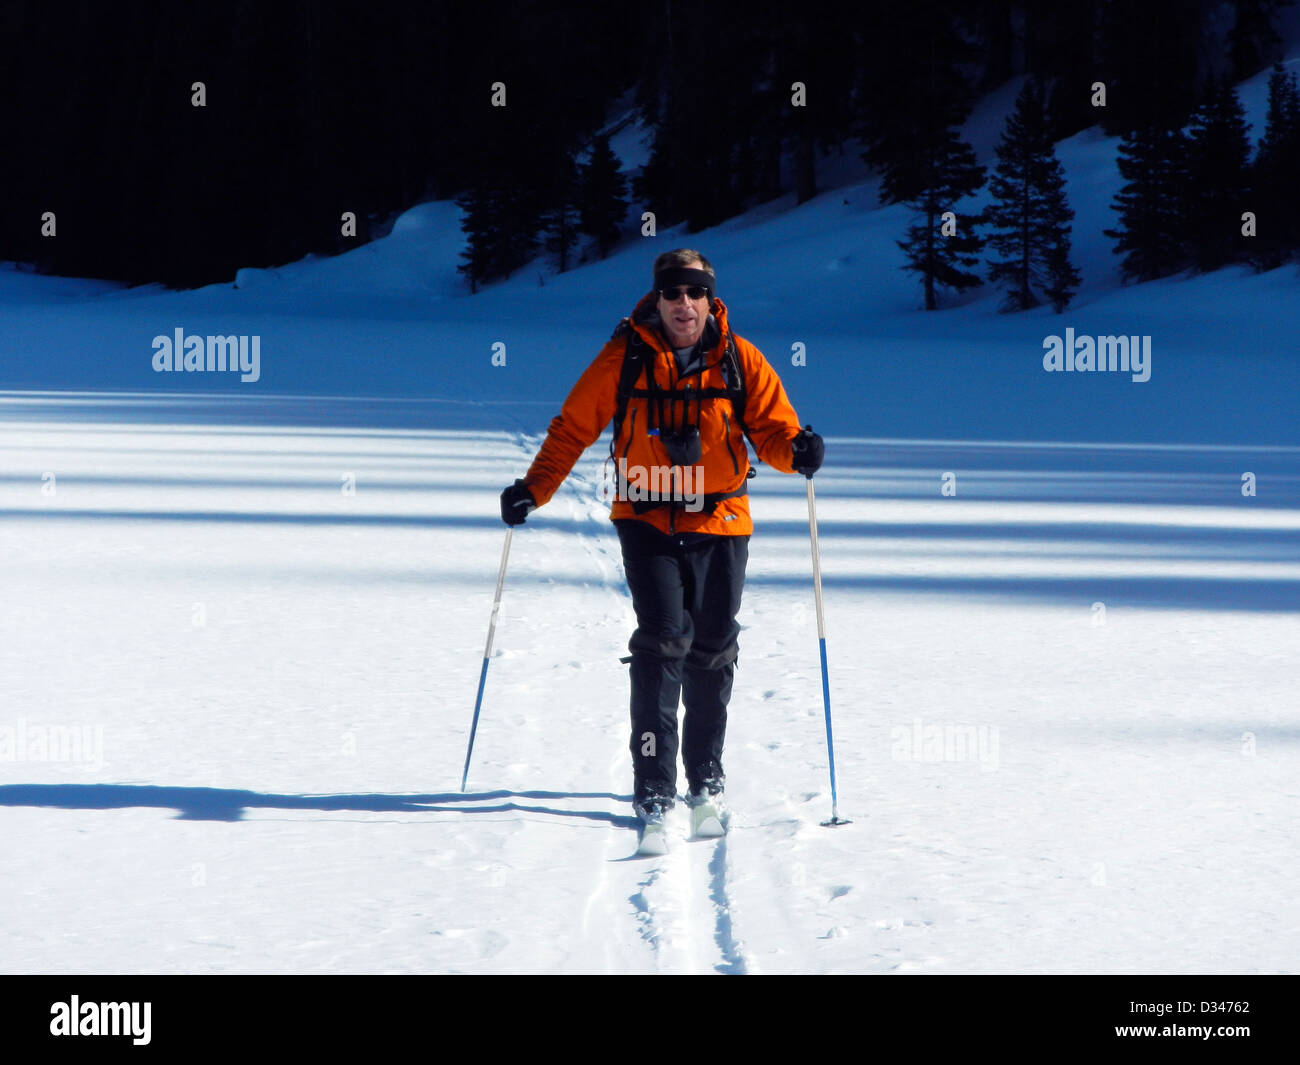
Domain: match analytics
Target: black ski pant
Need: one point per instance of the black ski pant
(686, 593)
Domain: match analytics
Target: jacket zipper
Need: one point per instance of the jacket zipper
(726, 425)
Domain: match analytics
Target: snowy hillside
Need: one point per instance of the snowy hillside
(243, 624)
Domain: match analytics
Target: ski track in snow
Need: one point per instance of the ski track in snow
(645, 924)
(683, 909)
(734, 960)
(680, 906)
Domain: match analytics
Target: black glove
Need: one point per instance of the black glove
(808, 452)
(516, 502)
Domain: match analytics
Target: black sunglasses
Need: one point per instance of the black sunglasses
(672, 295)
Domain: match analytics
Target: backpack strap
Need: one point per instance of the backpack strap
(734, 375)
(634, 365)
(634, 361)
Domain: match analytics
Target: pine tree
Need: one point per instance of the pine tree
(1218, 163)
(560, 220)
(1151, 61)
(1062, 276)
(825, 56)
(696, 98)
(1151, 233)
(1253, 39)
(603, 196)
(1062, 46)
(500, 227)
(1029, 215)
(915, 81)
(947, 172)
(480, 226)
(1276, 175)
(660, 184)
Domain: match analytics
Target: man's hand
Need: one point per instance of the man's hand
(516, 502)
(808, 451)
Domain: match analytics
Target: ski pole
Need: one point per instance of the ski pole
(492, 628)
(836, 819)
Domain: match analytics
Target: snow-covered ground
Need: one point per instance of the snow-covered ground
(251, 615)
(1064, 710)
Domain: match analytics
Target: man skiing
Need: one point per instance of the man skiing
(683, 392)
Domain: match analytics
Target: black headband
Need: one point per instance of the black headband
(680, 275)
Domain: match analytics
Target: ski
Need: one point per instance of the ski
(706, 821)
(654, 840)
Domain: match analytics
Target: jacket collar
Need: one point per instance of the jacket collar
(645, 319)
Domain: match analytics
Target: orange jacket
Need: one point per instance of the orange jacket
(724, 463)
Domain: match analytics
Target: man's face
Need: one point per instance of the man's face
(684, 318)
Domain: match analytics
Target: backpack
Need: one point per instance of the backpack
(636, 359)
